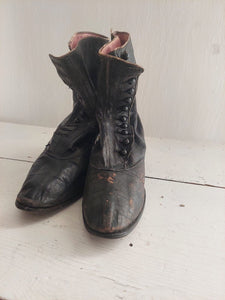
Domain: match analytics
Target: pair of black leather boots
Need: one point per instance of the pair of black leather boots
(98, 151)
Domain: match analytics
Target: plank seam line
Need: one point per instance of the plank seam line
(16, 159)
(149, 177)
(186, 182)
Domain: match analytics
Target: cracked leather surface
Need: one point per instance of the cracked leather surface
(114, 194)
(58, 175)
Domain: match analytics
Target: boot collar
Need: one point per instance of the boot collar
(73, 63)
(120, 48)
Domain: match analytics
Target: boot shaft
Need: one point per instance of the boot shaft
(121, 138)
(78, 68)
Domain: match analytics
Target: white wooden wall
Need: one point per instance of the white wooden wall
(180, 43)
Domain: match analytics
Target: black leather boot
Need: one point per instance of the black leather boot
(57, 177)
(114, 194)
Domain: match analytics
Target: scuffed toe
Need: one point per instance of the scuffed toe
(113, 202)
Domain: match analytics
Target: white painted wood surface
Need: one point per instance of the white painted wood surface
(177, 253)
(181, 45)
(178, 246)
(201, 162)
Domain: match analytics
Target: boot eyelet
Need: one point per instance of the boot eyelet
(129, 100)
(131, 91)
(125, 132)
(125, 108)
(126, 141)
(132, 81)
(124, 125)
(124, 152)
(123, 118)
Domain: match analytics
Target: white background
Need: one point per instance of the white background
(181, 45)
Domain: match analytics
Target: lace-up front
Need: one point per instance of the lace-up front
(123, 127)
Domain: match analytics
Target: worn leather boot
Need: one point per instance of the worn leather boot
(57, 177)
(114, 194)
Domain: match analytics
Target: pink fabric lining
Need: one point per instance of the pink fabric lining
(79, 36)
(120, 38)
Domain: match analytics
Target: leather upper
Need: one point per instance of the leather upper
(58, 175)
(114, 194)
(121, 139)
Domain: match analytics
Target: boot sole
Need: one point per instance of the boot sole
(63, 204)
(118, 234)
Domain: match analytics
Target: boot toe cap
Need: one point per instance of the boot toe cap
(34, 196)
(49, 184)
(113, 202)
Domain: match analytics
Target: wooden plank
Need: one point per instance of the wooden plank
(23, 142)
(177, 249)
(202, 163)
(187, 161)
